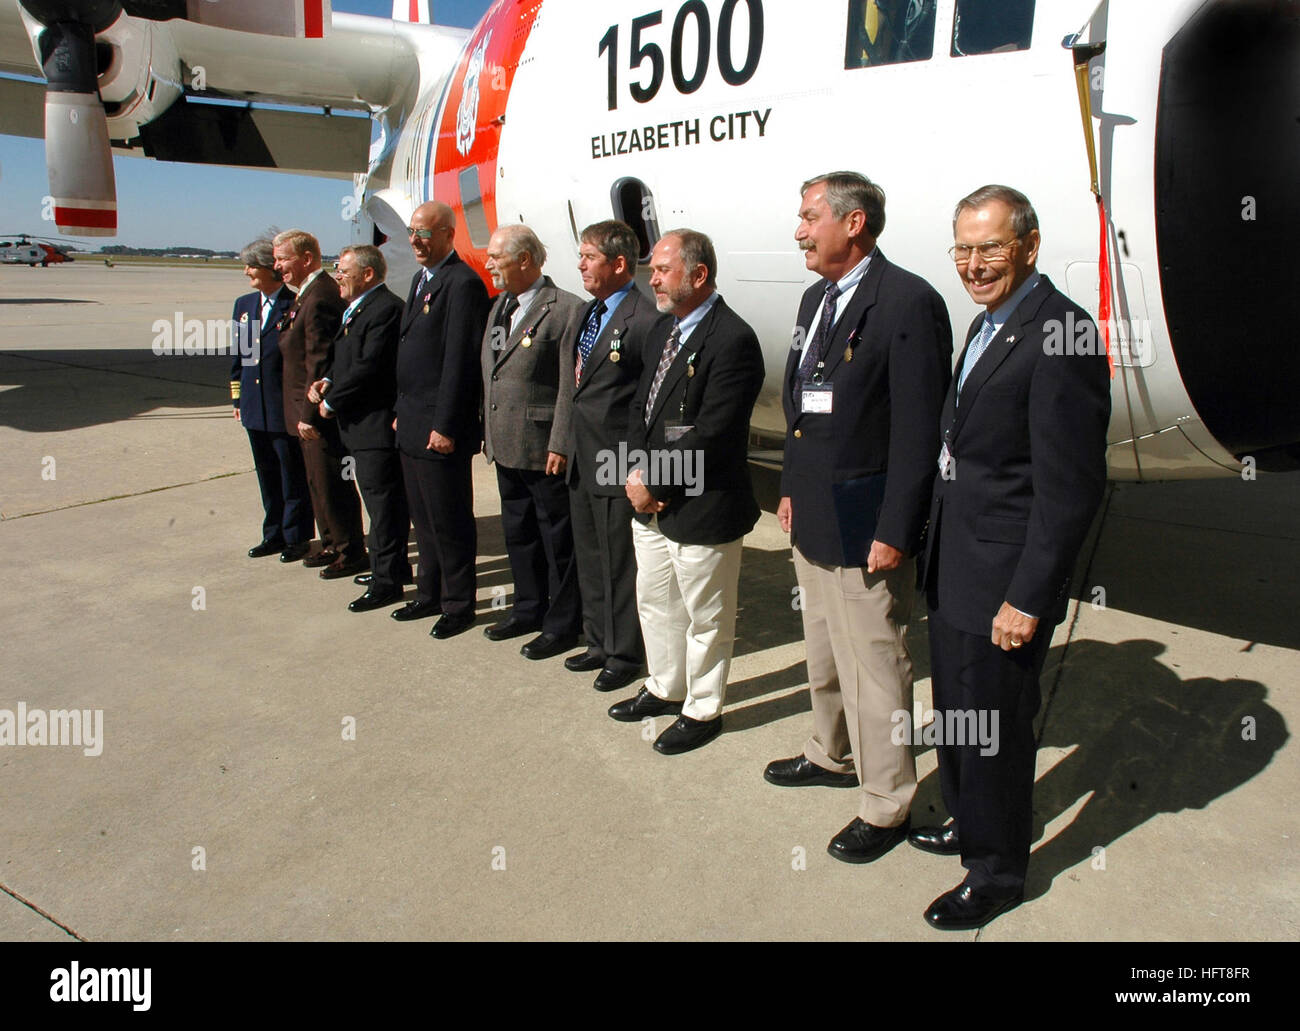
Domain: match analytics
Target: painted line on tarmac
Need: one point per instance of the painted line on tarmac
(120, 497)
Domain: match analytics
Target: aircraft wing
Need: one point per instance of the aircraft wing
(269, 95)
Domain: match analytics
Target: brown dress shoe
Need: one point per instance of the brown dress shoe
(320, 558)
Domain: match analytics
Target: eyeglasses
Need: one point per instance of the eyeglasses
(989, 250)
(419, 234)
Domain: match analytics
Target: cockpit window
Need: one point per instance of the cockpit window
(992, 26)
(889, 32)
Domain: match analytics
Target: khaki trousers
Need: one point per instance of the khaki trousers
(686, 598)
(859, 676)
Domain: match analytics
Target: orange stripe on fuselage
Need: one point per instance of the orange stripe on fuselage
(506, 27)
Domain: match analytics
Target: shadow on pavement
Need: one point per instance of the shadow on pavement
(53, 391)
(1145, 742)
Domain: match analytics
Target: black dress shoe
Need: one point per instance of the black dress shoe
(966, 908)
(415, 610)
(343, 567)
(265, 548)
(373, 599)
(643, 704)
(585, 662)
(861, 842)
(544, 646)
(687, 734)
(509, 628)
(942, 841)
(366, 579)
(321, 558)
(451, 624)
(801, 771)
(294, 552)
(613, 679)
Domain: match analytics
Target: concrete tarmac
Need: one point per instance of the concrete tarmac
(485, 796)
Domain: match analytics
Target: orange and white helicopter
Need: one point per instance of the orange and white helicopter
(24, 249)
(709, 113)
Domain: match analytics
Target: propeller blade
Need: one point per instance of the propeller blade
(78, 154)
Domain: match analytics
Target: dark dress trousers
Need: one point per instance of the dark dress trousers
(363, 396)
(438, 388)
(601, 513)
(527, 400)
(277, 457)
(305, 342)
(1028, 444)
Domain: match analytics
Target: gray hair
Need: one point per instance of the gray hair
(852, 191)
(368, 256)
(614, 239)
(522, 240)
(1023, 217)
(696, 249)
(258, 254)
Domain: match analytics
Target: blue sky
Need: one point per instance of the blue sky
(162, 203)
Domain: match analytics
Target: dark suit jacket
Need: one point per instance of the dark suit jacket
(884, 419)
(528, 391)
(305, 345)
(1029, 445)
(363, 372)
(602, 399)
(717, 403)
(437, 361)
(261, 386)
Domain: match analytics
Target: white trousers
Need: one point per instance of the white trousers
(686, 599)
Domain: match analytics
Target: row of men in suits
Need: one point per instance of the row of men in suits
(645, 568)
(871, 401)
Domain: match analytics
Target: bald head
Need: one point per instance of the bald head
(432, 232)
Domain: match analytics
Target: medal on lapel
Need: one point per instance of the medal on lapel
(614, 345)
(527, 341)
(690, 365)
(848, 350)
(244, 317)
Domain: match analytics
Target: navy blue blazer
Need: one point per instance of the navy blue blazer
(888, 361)
(1028, 442)
(709, 391)
(439, 384)
(261, 389)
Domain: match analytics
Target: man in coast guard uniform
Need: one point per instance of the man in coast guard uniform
(256, 387)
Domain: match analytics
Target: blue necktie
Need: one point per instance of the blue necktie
(978, 346)
(589, 334)
(813, 353)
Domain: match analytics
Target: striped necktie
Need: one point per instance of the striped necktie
(588, 339)
(671, 346)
